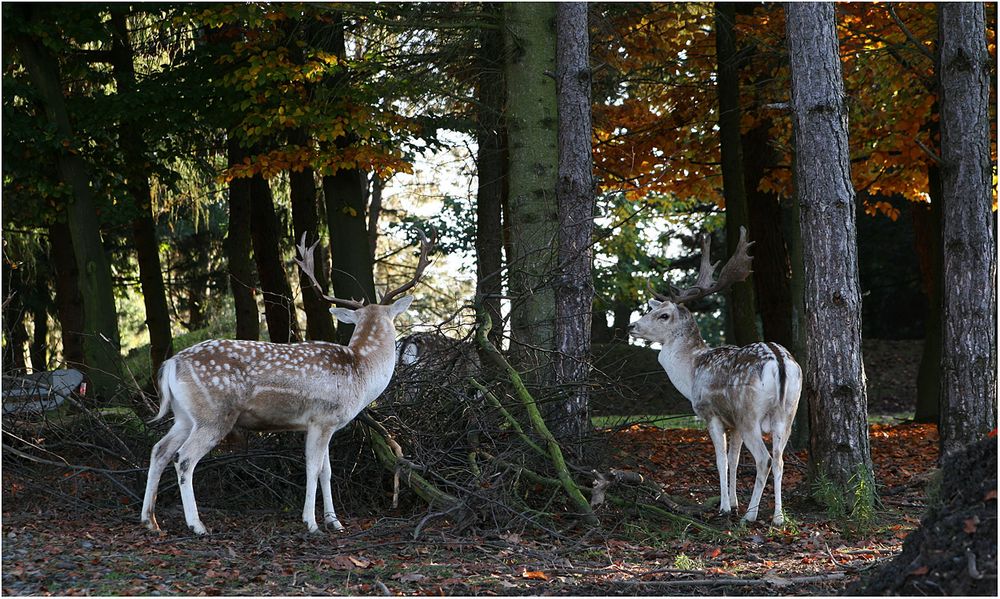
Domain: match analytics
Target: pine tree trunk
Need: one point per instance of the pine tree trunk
(491, 170)
(69, 302)
(834, 378)
(242, 278)
(740, 297)
(969, 358)
(101, 339)
(134, 152)
(302, 189)
(532, 136)
(569, 419)
(279, 307)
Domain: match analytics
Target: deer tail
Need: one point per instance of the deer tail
(782, 375)
(167, 373)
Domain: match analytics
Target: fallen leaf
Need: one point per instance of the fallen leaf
(970, 524)
(991, 494)
(534, 575)
(714, 553)
(360, 561)
(922, 570)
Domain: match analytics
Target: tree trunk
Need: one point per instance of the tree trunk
(69, 302)
(134, 152)
(927, 239)
(532, 131)
(41, 299)
(374, 210)
(15, 334)
(352, 274)
(969, 358)
(238, 251)
(101, 340)
(302, 189)
(491, 171)
(799, 439)
(197, 279)
(569, 419)
(771, 264)
(279, 308)
(834, 378)
(740, 297)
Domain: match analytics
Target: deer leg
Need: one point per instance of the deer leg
(718, 434)
(735, 446)
(317, 442)
(329, 514)
(158, 460)
(199, 442)
(778, 440)
(755, 443)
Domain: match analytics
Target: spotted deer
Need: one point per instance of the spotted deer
(315, 386)
(740, 392)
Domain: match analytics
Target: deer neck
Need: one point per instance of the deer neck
(677, 357)
(374, 347)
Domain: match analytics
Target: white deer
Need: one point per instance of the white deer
(316, 387)
(740, 392)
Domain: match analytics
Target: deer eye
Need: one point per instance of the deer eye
(664, 316)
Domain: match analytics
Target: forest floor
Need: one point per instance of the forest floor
(50, 547)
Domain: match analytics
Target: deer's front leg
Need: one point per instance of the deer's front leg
(317, 442)
(718, 434)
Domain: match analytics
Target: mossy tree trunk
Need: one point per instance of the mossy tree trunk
(101, 340)
(532, 136)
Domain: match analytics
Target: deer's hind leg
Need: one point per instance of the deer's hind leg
(161, 455)
(718, 433)
(201, 441)
(735, 440)
(755, 443)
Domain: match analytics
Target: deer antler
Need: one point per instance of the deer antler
(735, 270)
(425, 250)
(307, 264)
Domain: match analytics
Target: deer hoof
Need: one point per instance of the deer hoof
(778, 520)
(198, 528)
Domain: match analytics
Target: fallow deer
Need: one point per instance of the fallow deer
(740, 392)
(316, 387)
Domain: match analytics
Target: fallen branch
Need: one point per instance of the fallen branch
(748, 582)
(537, 422)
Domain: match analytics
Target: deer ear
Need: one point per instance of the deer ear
(654, 304)
(344, 315)
(399, 306)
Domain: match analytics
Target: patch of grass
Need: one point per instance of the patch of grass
(856, 505)
(664, 421)
(683, 562)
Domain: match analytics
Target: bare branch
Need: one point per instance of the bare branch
(307, 264)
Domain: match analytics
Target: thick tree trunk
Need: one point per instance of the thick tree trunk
(927, 239)
(969, 351)
(69, 301)
(569, 419)
(302, 189)
(279, 307)
(740, 297)
(374, 210)
(532, 135)
(491, 164)
(800, 436)
(242, 278)
(41, 299)
(101, 339)
(352, 274)
(15, 334)
(134, 152)
(834, 378)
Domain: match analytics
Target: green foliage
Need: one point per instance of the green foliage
(683, 562)
(855, 505)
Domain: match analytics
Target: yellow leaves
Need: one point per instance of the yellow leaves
(873, 208)
(349, 211)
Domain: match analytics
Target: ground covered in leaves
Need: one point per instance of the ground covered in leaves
(53, 547)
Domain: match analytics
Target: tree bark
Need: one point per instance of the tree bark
(834, 379)
(302, 189)
(242, 278)
(569, 419)
(927, 238)
(969, 358)
(134, 152)
(279, 308)
(532, 132)
(69, 301)
(40, 301)
(491, 165)
(101, 339)
(15, 334)
(740, 297)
